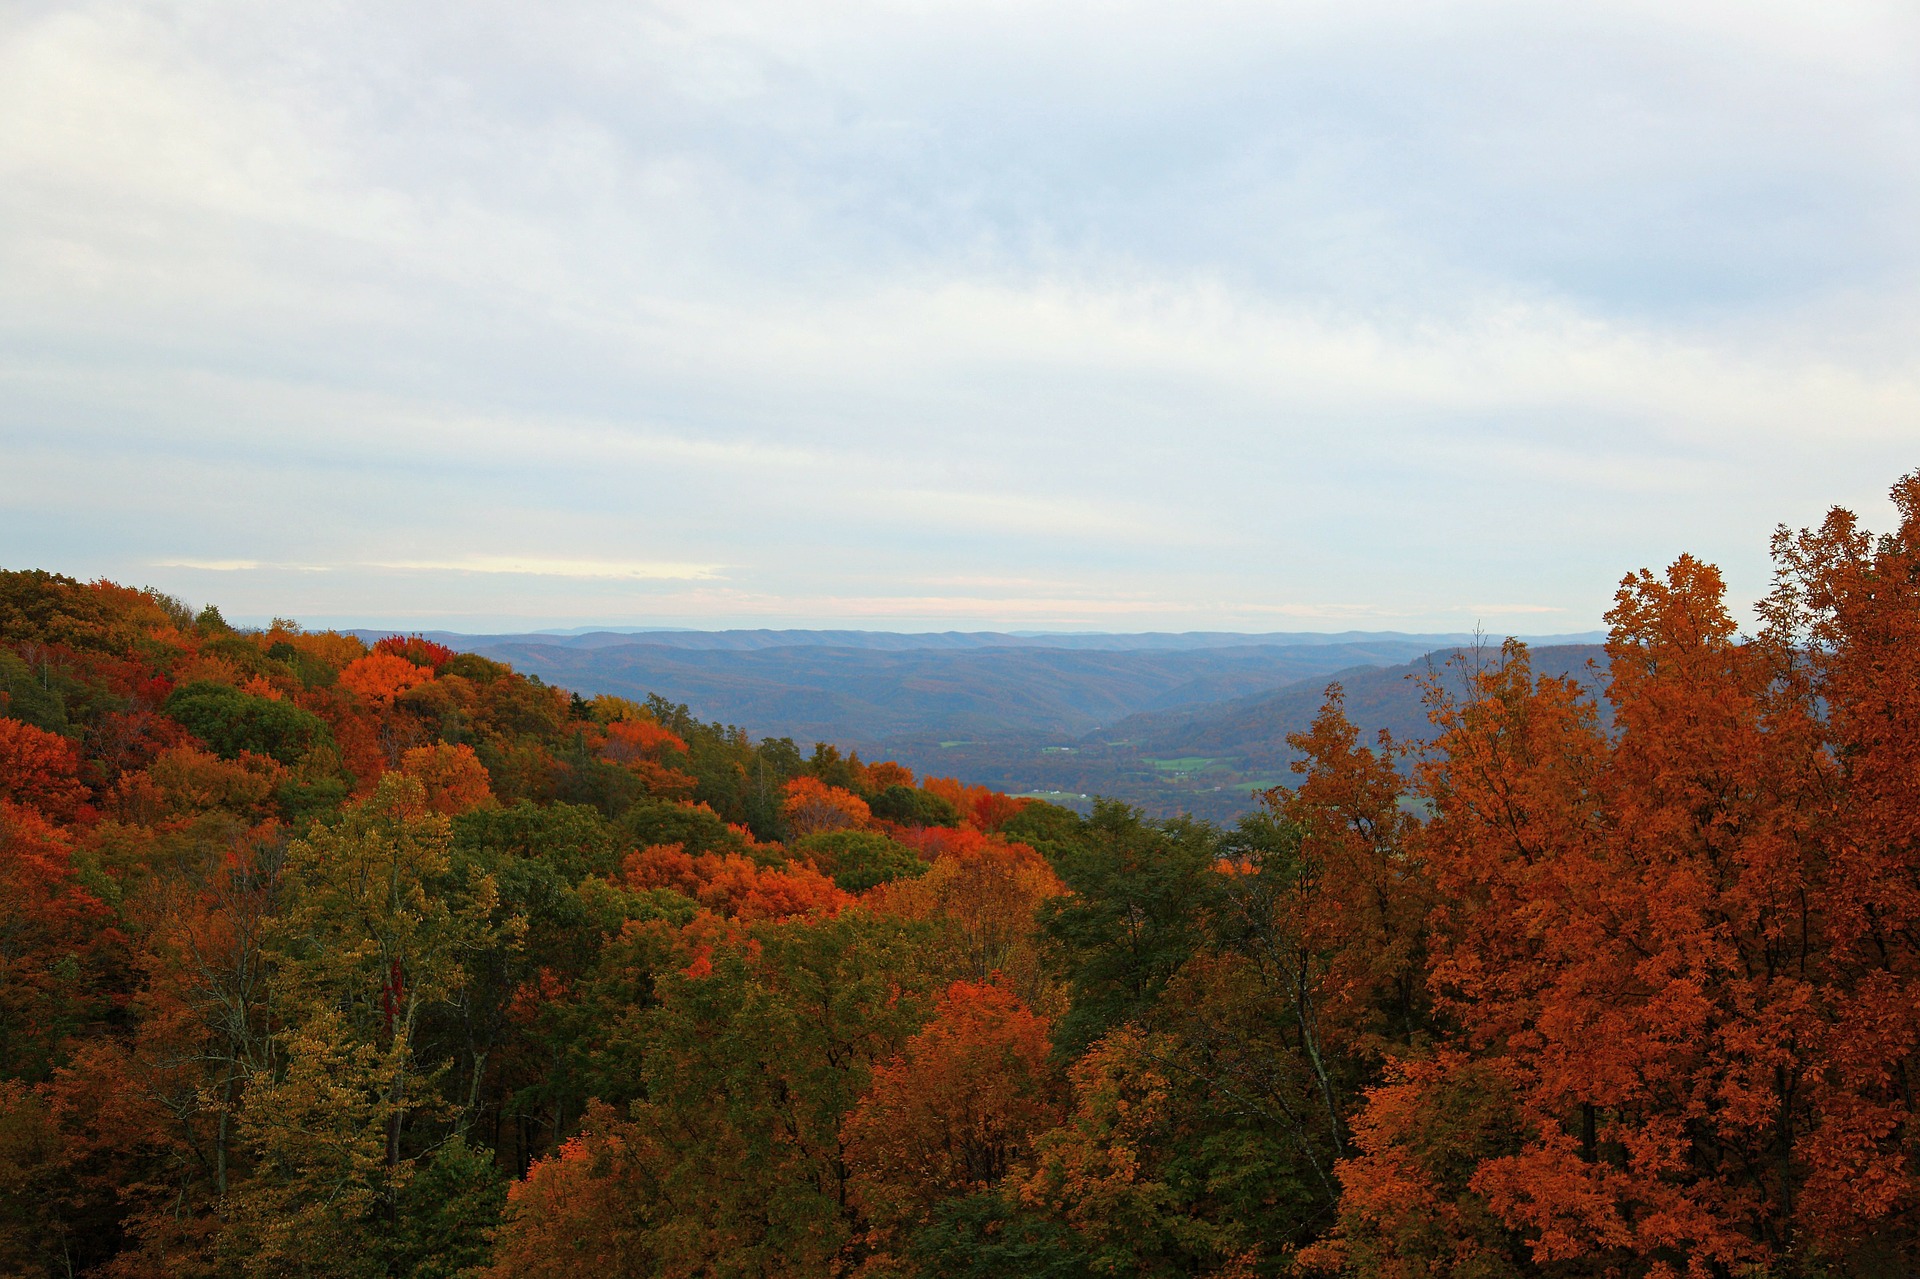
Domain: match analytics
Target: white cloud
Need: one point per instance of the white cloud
(1225, 310)
(519, 566)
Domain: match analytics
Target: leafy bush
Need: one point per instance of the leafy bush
(911, 807)
(858, 859)
(231, 721)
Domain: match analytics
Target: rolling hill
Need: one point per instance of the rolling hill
(1171, 722)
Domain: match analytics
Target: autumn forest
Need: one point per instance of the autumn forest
(320, 958)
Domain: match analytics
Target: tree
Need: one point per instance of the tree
(581, 1211)
(983, 897)
(453, 777)
(40, 770)
(1626, 931)
(1843, 630)
(1141, 895)
(1104, 1175)
(858, 859)
(375, 935)
(231, 722)
(56, 937)
(955, 1111)
(380, 677)
(752, 1068)
(812, 806)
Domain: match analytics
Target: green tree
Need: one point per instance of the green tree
(1142, 895)
(231, 721)
(858, 859)
(375, 940)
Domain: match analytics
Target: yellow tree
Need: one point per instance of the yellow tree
(374, 940)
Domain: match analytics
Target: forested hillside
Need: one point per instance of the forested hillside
(322, 958)
(850, 694)
(1218, 759)
(1174, 723)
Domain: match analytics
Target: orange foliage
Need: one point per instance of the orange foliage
(642, 746)
(455, 779)
(735, 886)
(188, 779)
(46, 917)
(579, 1211)
(986, 809)
(985, 891)
(885, 774)
(260, 686)
(381, 677)
(328, 649)
(1847, 605)
(812, 806)
(40, 770)
(1356, 918)
(1406, 1208)
(955, 1110)
(416, 649)
(630, 740)
(1630, 928)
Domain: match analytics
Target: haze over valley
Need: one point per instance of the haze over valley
(1194, 722)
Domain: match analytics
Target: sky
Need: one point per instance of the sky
(1030, 315)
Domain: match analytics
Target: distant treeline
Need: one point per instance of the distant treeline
(328, 958)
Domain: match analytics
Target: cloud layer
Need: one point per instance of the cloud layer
(1038, 315)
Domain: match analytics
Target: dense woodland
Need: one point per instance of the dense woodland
(325, 960)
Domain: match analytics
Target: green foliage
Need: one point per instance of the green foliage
(598, 1040)
(911, 806)
(243, 651)
(303, 801)
(828, 765)
(30, 696)
(739, 780)
(310, 672)
(697, 830)
(52, 608)
(984, 1237)
(571, 838)
(231, 721)
(771, 1052)
(1142, 893)
(474, 667)
(584, 778)
(448, 1210)
(317, 1134)
(858, 860)
(1048, 828)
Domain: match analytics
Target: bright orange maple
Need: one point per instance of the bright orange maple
(735, 885)
(957, 1108)
(382, 677)
(812, 806)
(455, 779)
(40, 770)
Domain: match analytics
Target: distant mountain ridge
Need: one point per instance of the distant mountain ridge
(1213, 760)
(1376, 697)
(867, 686)
(897, 641)
(1172, 722)
(863, 695)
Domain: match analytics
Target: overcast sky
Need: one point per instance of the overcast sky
(922, 315)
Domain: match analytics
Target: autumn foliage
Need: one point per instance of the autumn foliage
(331, 960)
(956, 1110)
(381, 677)
(40, 770)
(812, 806)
